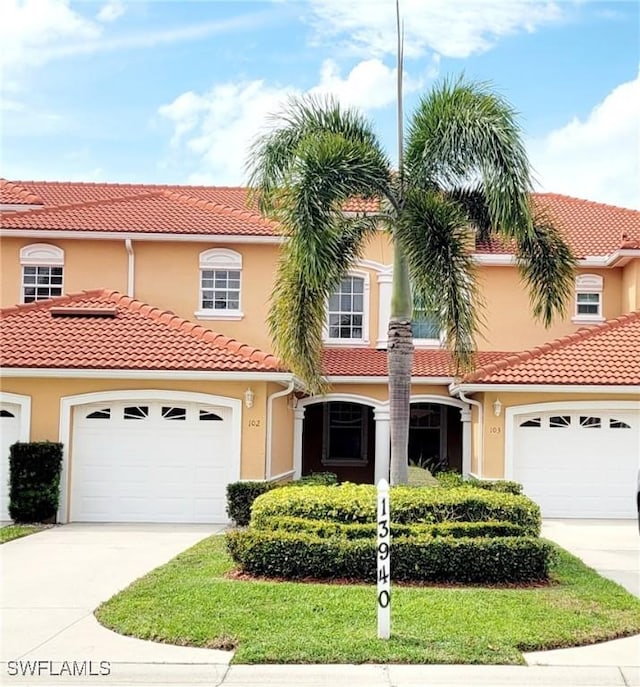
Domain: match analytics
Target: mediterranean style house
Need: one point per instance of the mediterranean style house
(133, 331)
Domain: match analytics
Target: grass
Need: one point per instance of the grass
(189, 601)
(10, 532)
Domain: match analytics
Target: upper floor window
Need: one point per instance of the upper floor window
(42, 271)
(220, 284)
(347, 311)
(425, 328)
(588, 298)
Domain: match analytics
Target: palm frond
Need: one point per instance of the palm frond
(433, 232)
(310, 269)
(547, 265)
(274, 156)
(463, 135)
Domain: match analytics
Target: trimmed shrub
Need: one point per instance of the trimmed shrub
(240, 497)
(454, 479)
(34, 481)
(323, 529)
(349, 503)
(318, 478)
(441, 559)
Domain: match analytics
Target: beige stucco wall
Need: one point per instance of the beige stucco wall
(46, 394)
(630, 291)
(509, 324)
(88, 265)
(282, 433)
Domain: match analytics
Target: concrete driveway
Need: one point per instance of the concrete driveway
(612, 547)
(52, 582)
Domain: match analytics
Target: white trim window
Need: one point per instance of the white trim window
(220, 285)
(347, 311)
(345, 433)
(588, 303)
(425, 329)
(42, 272)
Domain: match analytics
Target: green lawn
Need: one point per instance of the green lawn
(9, 532)
(190, 602)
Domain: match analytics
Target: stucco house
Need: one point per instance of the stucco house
(133, 330)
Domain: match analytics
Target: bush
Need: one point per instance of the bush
(349, 503)
(34, 481)
(240, 497)
(441, 559)
(321, 528)
(455, 479)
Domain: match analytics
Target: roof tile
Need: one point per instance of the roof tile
(606, 354)
(590, 228)
(370, 362)
(139, 337)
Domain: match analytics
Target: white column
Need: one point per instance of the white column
(298, 422)
(384, 308)
(383, 444)
(465, 417)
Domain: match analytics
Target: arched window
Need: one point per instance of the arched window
(42, 271)
(588, 298)
(220, 285)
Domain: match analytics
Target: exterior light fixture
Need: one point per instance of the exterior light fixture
(497, 407)
(248, 398)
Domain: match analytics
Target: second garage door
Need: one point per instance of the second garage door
(151, 462)
(579, 464)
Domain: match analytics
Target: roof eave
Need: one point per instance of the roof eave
(475, 387)
(105, 373)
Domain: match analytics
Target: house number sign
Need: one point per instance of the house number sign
(384, 561)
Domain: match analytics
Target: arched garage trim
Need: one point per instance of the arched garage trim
(24, 403)
(68, 403)
(511, 415)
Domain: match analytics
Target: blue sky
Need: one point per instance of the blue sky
(172, 92)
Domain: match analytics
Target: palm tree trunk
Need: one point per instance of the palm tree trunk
(399, 360)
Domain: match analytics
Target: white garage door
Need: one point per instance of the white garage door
(9, 434)
(579, 464)
(151, 462)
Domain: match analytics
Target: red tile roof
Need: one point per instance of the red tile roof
(607, 354)
(590, 228)
(12, 193)
(156, 212)
(370, 362)
(138, 337)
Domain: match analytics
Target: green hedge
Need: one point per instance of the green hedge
(349, 503)
(454, 479)
(441, 559)
(34, 481)
(358, 530)
(241, 495)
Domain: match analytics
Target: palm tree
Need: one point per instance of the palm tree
(464, 167)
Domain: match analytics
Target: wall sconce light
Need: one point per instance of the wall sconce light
(497, 407)
(248, 398)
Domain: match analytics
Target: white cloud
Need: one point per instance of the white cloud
(369, 85)
(29, 28)
(33, 32)
(452, 29)
(596, 158)
(217, 126)
(111, 11)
